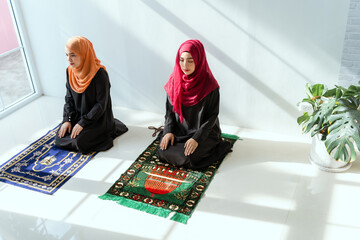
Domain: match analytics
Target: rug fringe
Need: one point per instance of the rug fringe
(230, 136)
(181, 218)
(158, 211)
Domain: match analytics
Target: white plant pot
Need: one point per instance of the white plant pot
(322, 159)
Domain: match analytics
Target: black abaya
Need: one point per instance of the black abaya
(92, 110)
(200, 123)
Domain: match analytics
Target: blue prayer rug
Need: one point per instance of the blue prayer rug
(42, 166)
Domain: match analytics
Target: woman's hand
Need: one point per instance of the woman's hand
(169, 137)
(76, 131)
(65, 127)
(190, 146)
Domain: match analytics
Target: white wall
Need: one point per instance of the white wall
(350, 61)
(262, 52)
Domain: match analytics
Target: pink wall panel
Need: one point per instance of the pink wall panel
(8, 38)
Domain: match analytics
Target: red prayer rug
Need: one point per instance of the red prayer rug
(159, 188)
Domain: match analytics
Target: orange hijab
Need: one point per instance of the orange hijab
(80, 77)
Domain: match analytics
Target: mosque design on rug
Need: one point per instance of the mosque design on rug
(42, 166)
(159, 188)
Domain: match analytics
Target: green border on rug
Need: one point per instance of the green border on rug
(161, 212)
(230, 136)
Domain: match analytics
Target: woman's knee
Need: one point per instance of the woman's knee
(82, 145)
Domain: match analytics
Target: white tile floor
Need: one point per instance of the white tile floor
(265, 189)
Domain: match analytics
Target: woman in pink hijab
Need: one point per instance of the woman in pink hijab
(192, 136)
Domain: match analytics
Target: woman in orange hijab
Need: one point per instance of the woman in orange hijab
(88, 121)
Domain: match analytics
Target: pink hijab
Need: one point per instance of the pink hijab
(190, 90)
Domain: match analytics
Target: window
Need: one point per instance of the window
(17, 85)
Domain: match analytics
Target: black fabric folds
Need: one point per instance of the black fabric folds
(200, 123)
(92, 110)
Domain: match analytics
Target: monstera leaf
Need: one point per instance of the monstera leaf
(344, 130)
(323, 102)
(352, 91)
(319, 118)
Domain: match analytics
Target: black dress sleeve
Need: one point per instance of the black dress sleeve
(212, 112)
(69, 106)
(169, 118)
(102, 86)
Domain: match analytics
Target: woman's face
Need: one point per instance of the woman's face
(187, 63)
(73, 59)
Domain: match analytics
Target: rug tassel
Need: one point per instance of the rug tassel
(230, 136)
(161, 212)
(181, 218)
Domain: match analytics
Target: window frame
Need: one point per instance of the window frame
(25, 50)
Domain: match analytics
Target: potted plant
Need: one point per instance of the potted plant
(332, 117)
